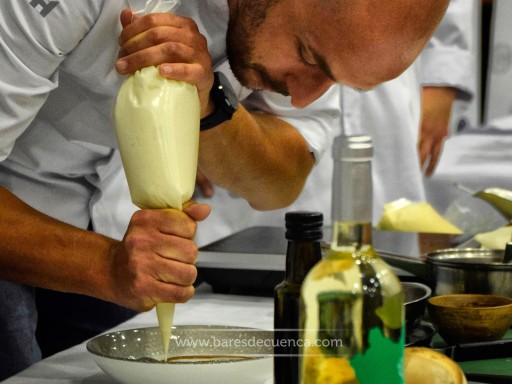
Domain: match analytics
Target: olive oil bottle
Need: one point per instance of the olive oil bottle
(352, 314)
(303, 232)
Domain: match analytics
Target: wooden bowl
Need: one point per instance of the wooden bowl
(468, 318)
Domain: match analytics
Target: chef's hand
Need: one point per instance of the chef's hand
(435, 119)
(172, 42)
(155, 261)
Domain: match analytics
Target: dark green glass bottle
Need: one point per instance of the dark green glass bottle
(303, 232)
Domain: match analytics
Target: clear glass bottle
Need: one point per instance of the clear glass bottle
(352, 314)
(303, 232)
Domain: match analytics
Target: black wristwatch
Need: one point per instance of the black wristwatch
(225, 102)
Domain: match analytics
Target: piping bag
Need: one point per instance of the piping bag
(157, 129)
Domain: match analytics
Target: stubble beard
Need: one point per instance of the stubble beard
(241, 32)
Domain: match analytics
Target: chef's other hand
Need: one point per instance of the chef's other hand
(171, 42)
(435, 119)
(155, 260)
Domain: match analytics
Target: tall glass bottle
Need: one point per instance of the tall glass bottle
(352, 314)
(303, 232)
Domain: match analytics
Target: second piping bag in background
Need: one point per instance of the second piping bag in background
(157, 128)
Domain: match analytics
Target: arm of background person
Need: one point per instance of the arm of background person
(436, 109)
(447, 73)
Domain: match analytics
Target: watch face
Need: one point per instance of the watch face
(228, 91)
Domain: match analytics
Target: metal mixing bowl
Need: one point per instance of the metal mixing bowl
(415, 302)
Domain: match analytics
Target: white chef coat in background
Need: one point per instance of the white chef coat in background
(499, 75)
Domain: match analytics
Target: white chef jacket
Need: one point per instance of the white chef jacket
(58, 83)
(498, 101)
(447, 59)
(391, 114)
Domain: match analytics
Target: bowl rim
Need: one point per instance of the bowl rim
(428, 291)
(464, 258)
(252, 357)
(432, 301)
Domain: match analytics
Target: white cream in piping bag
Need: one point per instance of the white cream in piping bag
(157, 128)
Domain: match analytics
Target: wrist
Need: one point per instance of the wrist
(222, 103)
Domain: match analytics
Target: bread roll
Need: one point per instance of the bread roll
(426, 366)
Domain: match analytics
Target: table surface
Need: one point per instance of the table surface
(76, 366)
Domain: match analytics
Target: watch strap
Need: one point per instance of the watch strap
(223, 110)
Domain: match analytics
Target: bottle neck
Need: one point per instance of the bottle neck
(352, 191)
(352, 203)
(351, 236)
(301, 256)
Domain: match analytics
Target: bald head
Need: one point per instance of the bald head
(377, 40)
(302, 47)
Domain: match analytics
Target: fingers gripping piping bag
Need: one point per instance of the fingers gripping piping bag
(157, 128)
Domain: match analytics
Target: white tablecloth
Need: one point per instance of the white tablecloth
(76, 366)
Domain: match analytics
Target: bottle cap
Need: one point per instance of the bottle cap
(304, 225)
(352, 147)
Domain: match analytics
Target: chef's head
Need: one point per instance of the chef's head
(302, 47)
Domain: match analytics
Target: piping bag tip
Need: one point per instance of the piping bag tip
(165, 313)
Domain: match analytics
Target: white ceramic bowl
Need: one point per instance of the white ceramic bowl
(235, 355)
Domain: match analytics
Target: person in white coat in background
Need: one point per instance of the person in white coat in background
(409, 117)
(478, 156)
(392, 113)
